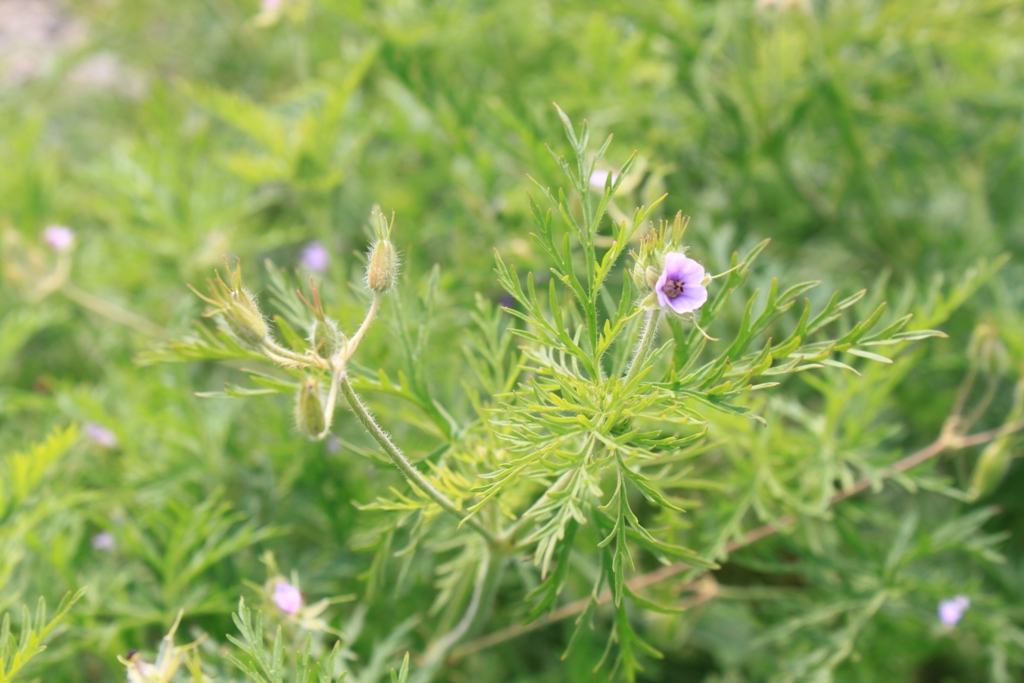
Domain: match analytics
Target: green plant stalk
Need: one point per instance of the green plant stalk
(112, 312)
(643, 348)
(353, 343)
(402, 463)
(479, 608)
(280, 354)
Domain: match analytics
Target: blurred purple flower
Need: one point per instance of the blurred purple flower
(599, 178)
(104, 540)
(59, 237)
(287, 597)
(315, 257)
(681, 285)
(271, 5)
(100, 435)
(952, 611)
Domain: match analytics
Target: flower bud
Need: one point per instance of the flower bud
(987, 351)
(652, 276)
(382, 262)
(991, 468)
(325, 337)
(246, 322)
(382, 270)
(309, 410)
(236, 307)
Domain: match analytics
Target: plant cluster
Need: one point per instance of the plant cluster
(514, 428)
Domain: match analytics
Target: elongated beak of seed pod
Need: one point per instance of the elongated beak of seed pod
(309, 410)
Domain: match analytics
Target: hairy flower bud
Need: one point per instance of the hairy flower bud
(325, 337)
(650, 262)
(309, 410)
(236, 307)
(382, 270)
(382, 262)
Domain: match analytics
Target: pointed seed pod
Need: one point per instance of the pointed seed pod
(309, 410)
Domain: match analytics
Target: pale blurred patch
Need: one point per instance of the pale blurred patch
(36, 34)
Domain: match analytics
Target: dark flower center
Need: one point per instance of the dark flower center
(673, 288)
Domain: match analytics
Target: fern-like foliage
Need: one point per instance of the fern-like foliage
(16, 650)
(588, 422)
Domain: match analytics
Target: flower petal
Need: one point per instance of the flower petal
(659, 289)
(693, 272)
(676, 265)
(691, 299)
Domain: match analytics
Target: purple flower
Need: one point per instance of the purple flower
(952, 611)
(287, 597)
(599, 178)
(59, 237)
(104, 540)
(681, 284)
(100, 435)
(315, 257)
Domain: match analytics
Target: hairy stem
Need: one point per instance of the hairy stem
(414, 476)
(353, 343)
(643, 347)
(280, 354)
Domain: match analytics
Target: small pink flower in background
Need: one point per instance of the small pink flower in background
(681, 285)
(100, 435)
(315, 257)
(599, 178)
(287, 597)
(271, 5)
(104, 540)
(59, 237)
(952, 611)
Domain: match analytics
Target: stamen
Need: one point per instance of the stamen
(673, 288)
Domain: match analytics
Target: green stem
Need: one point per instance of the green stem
(477, 611)
(111, 312)
(414, 476)
(353, 343)
(272, 348)
(643, 348)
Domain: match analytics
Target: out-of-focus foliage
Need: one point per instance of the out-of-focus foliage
(877, 144)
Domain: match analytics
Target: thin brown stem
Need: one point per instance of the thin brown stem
(947, 440)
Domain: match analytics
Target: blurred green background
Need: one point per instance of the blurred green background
(878, 144)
